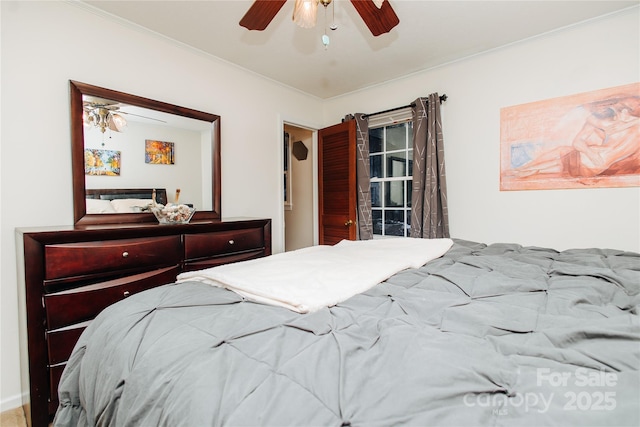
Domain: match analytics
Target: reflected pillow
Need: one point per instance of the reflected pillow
(130, 205)
(96, 206)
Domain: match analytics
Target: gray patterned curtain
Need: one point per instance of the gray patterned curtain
(429, 212)
(365, 223)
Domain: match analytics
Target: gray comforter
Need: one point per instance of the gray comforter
(486, 335)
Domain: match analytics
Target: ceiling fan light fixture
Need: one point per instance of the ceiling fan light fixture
(305, 13)
(87, 119)
(103, 119)
(117, 122)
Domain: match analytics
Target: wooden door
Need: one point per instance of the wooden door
(337, 202)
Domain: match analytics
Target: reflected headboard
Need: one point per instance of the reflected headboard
(122, 200)
(127, 193)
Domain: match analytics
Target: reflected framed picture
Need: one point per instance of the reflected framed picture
(101, 162)
(159, 152)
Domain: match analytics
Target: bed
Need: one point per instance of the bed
(122, 200)
(484, 335)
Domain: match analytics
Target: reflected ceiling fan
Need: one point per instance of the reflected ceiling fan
(378, 15)
(104, 115)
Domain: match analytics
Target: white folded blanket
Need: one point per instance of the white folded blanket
(312, 278)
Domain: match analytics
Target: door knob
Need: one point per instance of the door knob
(348, 223)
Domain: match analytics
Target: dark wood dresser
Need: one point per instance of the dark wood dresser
(72, 273)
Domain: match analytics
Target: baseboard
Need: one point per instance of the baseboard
(12, 402)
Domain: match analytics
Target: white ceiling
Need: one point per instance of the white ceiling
(430, 33)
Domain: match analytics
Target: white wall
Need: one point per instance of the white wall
(46, 44)
(594, 55)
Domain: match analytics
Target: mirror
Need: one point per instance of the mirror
(193, 165)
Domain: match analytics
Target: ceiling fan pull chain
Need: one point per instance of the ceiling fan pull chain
(333, 26)
(325, 37)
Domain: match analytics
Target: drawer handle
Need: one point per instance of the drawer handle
(126, 294)
(231, 242)
(125, 254)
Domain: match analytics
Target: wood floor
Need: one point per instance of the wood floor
(13, 418)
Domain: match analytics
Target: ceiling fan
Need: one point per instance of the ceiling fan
(378, 15)
(105, 115)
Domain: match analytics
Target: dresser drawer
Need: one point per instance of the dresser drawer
(77, 259)
(221, 243)
(214, 262)
(84, 303)
(60, 342)
(55, 372)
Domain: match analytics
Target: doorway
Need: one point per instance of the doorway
(298, 187)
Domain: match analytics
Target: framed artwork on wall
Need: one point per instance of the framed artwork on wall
(586, 140)
(101, 162)
(159, 152)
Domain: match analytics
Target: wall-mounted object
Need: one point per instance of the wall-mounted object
(299, 150)
(101, 162)
(587, 140)
(179, 117)
(159, 152)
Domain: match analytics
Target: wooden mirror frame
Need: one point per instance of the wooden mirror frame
(80, 216)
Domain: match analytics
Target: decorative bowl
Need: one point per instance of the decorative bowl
(173, 214)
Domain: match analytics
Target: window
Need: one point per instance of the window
(391, 160)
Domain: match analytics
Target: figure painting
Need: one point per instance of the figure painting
(580, 141)
(159, 152)
(101, 162)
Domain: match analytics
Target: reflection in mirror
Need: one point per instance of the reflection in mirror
(133, 147)
(125, 147)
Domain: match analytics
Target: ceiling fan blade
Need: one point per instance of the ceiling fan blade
(379, 21)
(144, 117)
(261, 13)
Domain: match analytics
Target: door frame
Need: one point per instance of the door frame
(282, 121)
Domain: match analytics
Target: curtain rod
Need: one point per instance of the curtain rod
(442, 97)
